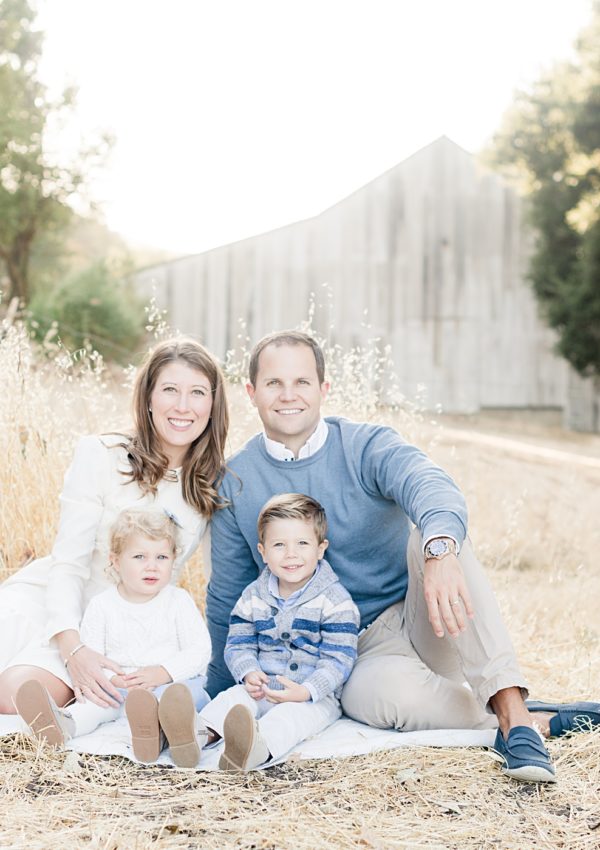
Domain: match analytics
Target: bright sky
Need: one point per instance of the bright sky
(233, 117)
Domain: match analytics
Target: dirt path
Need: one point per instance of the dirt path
(518, 447)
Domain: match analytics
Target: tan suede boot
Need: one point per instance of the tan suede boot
(42, 715)
(245, 748)
(141, 708)
(180, 722)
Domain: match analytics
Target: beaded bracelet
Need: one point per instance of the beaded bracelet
(72, 653)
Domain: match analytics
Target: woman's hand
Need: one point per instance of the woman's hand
(254, 683)
(89, 681)
(147, 677)
(292, 692)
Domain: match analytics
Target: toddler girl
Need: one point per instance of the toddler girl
(154, 631)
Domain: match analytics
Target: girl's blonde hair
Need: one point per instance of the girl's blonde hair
(156, 525)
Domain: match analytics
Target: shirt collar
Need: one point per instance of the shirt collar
(313, 444)
(273, 587)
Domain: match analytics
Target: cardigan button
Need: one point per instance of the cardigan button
(293, 666)
(285, 635)
(274, 611)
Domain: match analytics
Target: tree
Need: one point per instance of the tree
(94, 308)
(550, 142)
(35, 189)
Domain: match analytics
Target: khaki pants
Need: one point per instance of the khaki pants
(407, 678)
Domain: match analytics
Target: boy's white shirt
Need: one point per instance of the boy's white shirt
(168, 630)
(279, 451)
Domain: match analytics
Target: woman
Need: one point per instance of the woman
(172, 460)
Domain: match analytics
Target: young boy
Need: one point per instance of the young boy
(292, 642)
(156, 634)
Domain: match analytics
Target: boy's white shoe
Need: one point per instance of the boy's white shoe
(245, 747)
(39, 711)
(181, 724)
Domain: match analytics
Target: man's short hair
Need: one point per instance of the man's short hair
(286, 338)
(293, 506)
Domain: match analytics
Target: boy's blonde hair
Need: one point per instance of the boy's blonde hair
(156, 525)
(293, 506)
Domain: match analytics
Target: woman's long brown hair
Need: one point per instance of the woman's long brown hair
(203, 465)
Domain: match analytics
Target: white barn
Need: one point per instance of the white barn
(430, 258)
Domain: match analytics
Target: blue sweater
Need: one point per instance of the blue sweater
(371, 484)
(311, 641)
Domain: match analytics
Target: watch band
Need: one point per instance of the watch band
(439, 547)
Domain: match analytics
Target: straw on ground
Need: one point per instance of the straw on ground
(534, 522)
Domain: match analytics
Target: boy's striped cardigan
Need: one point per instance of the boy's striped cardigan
(313, 642)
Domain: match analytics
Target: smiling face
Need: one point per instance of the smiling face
(144, 567)
(180, 404)
(292, 551)
(287, 394)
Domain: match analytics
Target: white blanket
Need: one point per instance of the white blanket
(344, 738)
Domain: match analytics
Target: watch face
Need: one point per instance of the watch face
(438, 547)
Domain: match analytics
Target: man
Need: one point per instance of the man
(429, 618)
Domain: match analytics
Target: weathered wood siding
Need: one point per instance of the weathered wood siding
(430, 257)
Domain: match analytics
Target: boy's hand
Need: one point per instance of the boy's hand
(147, 677)
(254, 683)
(293, 692)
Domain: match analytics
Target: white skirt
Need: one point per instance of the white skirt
(23, 618)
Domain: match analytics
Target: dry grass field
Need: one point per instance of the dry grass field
(535, 524)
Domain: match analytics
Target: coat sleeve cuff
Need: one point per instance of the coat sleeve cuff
(243, 667)
(320, 685)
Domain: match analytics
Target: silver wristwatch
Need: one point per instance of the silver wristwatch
(439, 547)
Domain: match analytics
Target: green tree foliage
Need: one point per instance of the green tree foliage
(35, 188)
(92, 309)
(550, 143)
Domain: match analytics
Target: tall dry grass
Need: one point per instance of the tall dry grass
(49, 398)
(533, 522)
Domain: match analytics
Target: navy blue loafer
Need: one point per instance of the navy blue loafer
(569, 717)
(525, 756)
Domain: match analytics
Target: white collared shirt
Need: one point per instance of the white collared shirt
(274, 589)
(316, 440)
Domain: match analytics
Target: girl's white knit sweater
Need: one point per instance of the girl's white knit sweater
(168, 631)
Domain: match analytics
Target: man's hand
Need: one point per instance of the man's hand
(446, 595)
(147, 677)
(293, 692)
(254, 683)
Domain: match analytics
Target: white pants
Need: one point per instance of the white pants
(87, 716)
(281, 725)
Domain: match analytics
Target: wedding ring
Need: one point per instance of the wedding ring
(455, 602)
